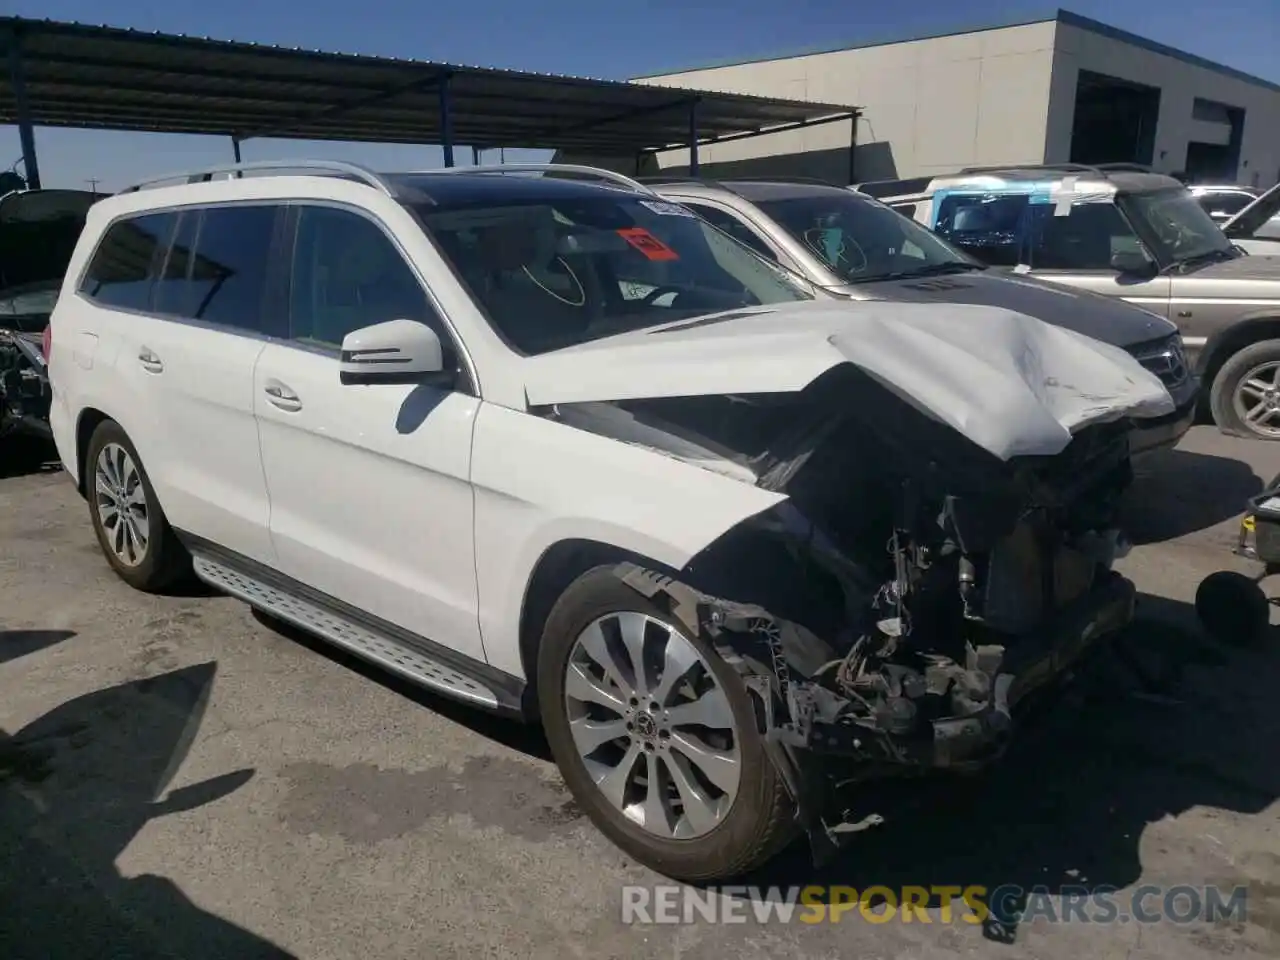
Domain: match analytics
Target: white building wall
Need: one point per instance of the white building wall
(928, 105)
(1180, 83)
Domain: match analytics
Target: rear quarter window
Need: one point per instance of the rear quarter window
(122, 268)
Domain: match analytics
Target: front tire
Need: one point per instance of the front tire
(1245, 396)
(131, 527)
(655, 735)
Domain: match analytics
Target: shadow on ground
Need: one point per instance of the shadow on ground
(76, 786)
(525, 738)
(1069, 804)
(1178, 492)
(21, 456)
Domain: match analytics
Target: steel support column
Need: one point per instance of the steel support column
(26, 132)
(693, 138)
(446, 119)
(853, 150)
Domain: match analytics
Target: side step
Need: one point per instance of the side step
(342, 631)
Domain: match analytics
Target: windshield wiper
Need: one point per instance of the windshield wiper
(932, 270)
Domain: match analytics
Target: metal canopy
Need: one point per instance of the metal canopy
(78, 75)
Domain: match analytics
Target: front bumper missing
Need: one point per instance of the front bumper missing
(1016, 674)
(816, 749)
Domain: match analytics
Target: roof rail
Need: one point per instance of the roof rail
(1126, 167)
(816, 181)
(1058, 167)
(598, 172)
(364, 174)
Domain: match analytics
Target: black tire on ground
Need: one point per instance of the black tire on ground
(165, 561)
(1233, 608)
(1223, 389)
(761, 821)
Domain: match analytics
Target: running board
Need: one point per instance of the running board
(374, 646)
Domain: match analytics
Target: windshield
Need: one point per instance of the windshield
(862, 240)
(1175, 224)
(550, 273)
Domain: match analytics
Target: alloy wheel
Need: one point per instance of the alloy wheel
(653, 725)
(1257, 399)
(121, 503)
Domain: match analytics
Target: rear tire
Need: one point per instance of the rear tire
(130, 525)
(1249, 380)
(704, 821)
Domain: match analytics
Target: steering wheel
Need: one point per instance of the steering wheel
(657, 292)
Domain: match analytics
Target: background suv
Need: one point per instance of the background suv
(1132, 235)
(854, 247)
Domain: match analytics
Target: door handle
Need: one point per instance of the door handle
(282, 397)
(150, 362)
(1184, 314)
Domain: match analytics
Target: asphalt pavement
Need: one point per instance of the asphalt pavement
(179, 778)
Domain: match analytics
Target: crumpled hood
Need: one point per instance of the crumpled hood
(1012, 384)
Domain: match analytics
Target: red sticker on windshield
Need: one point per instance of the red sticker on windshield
(648, 244)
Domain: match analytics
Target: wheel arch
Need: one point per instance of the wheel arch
(558, 566)
(86, 423)
(1226, 343)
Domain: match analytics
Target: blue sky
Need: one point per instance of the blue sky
(599, 39)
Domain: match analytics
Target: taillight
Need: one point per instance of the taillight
(46, 341)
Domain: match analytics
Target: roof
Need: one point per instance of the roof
(79, 75)
(452, 191)
(1100, 179)
(762, 189)
(1056, 16)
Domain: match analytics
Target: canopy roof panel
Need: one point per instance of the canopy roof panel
(100, 77)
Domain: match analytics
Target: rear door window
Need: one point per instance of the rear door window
(216, 267)
(121, 271)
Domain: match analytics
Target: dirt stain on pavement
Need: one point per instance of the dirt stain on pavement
(363, 803)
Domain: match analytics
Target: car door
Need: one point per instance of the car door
(371, 502)
(184, 357)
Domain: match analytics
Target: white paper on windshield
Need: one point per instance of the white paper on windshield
(668, 209)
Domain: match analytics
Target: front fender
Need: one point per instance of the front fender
(538, 483)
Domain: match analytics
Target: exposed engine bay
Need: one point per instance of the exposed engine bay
(24, 385)
(911, 591)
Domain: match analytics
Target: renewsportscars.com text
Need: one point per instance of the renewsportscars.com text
(1009, 904)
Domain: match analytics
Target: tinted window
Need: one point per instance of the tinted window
(121, 270)
(347, 274)
(985, 225)
(227, 271)
(733, 227)
(173, 293)
(1086, 239)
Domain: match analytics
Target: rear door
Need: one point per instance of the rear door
(186, 331)
(371, 500)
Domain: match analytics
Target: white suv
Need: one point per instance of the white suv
(563, 450)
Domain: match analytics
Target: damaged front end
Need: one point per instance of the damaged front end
(25, 394)
(898, 610)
